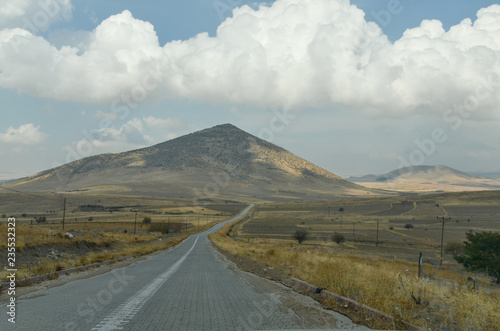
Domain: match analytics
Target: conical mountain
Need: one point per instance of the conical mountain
(222, 160)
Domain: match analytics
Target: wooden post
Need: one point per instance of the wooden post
(135, 223)
(376, 244)
(420, 265)
(64, 212)
(442, 237)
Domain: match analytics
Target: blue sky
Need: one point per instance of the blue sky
(350, 91)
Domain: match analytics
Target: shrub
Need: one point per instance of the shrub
(300, 235)
(146, 220)
(408, 226)
(338, 238)
(454, 248)
(481, 252)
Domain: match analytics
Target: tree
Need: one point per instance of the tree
(146, 220)
(454, 248)
(408, 226)
(481, 252)
(338, 238)
(300, 235)
(90, 219)
(41, 219)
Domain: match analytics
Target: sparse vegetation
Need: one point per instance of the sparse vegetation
(300, 235)
(41, 219)
(454, 248)
(388, 285)
(338, 238)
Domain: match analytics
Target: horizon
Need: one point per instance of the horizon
(493, 174)
(354, 87)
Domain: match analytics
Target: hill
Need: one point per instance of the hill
(220, 161)
(427, 178)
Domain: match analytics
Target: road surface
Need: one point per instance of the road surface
(188, 287)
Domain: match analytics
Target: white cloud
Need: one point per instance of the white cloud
(26, 134)
(168, 123)
(293, 54)
(131, 132)
(33, 15)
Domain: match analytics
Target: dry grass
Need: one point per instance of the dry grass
(389, 286)
(111, 244)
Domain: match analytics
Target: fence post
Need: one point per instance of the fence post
(420, 265)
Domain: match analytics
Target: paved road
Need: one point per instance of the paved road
(188, 287)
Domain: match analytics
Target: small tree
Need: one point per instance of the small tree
(338, 238)
(146, 220)
(41, 219)
(300, 235)
(454, 248)
(90, 219)
(481, 252)
(408, 226)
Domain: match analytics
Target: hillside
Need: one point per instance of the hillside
(222, 160)
(427, 178)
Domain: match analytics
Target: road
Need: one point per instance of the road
(188, 287)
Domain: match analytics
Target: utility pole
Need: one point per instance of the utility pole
(376, 244)
(64, 212)
(135, 223)
(353, 228)
(442, 237)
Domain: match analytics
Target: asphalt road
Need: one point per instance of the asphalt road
(189, 287)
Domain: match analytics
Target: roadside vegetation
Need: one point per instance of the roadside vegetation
(448, 301)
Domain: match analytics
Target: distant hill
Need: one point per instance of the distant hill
(427, 178)
(222, 160)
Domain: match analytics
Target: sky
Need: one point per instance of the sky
(356, 87)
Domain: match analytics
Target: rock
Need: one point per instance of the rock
(68, 235)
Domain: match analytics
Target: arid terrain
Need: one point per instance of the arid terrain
(142, 201)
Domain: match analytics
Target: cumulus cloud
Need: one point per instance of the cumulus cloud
(169, 123)
(131, 133)
(292, 54)
(33, 15)
(26, 134)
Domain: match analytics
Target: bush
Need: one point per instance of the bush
(408, 226)
(146, 220)
(300, 235)
(338, 238)
(41, 219)
(481, 252)
(454, 248)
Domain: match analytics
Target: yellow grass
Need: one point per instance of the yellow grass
(387, 285)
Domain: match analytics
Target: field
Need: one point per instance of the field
(381, 273)
(360, 219)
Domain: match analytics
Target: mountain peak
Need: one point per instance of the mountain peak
(240, 163)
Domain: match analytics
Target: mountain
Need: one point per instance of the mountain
(427, 178)
(222, 160)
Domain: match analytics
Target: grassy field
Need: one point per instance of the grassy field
(382, 275)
